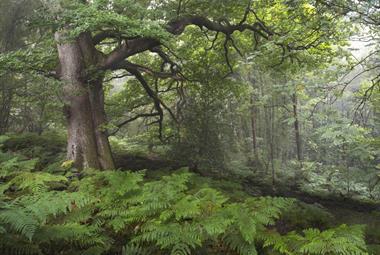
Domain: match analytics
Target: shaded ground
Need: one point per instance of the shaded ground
(342, 210)
(333, 203)
(149, 162)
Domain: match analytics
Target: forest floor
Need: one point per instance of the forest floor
(336, 205)
(343, 210)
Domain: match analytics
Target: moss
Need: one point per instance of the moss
(48, 148)
(50, 141)
(303, 216)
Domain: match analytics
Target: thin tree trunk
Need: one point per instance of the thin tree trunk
(272, 118)
(297, 128)
(253, 127)
(9, 40)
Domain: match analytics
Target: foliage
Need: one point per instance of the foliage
(302, 216)
(255, 91)
(341, 240)
(46, 149)
(101, 211)
(179, 213)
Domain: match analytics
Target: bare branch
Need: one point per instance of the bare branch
(225, 46)
(142, 115)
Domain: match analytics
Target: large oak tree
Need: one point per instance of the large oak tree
(82, 41)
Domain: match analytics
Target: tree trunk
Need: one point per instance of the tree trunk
(100, 120)
(87, 143)
(253, 127)
(272, 133)
(297, 129)
(5, 107)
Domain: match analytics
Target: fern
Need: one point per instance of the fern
(131, 249)
(236, 243)
(98, 213)
(14, 244)
(73, 234)
(13, 165)
(342, 240)
(26, 214)
(36, 182)
(181, 222)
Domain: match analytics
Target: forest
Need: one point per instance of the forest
(190, 127)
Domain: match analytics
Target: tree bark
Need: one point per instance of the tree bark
(297, 128)
(100, 120)
(87, 143)
(253, 127)
(272, 134)
(5, 107)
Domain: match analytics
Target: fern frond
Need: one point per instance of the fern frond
(14, 245)
(16, 164)
(132, 249)
(36, 182)
(26, 214)
(73, 234)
